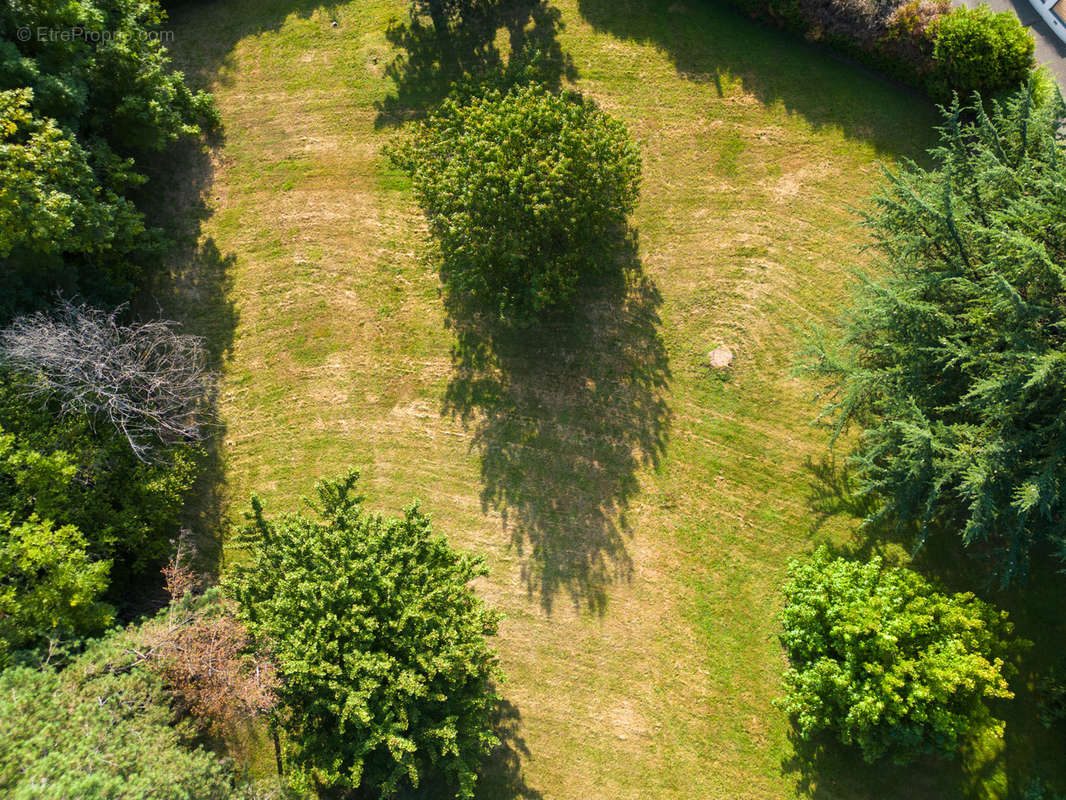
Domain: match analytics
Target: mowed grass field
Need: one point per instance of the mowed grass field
(636, 509)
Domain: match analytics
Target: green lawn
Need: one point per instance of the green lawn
(636, 510)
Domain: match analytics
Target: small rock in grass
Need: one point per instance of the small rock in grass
(720, 357)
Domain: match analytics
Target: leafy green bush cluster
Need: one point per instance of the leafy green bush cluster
(84, 98)
(78, 512)
(926, 43)
(886, 663)
(523, 190)
(975, 49)
(379, 642)
(954, 364)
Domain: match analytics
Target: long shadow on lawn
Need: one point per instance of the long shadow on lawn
(206, 31)
(431, 59)
(194, 288)
(712, 43)
(564, 414)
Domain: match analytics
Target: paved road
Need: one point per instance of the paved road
(1050, 49)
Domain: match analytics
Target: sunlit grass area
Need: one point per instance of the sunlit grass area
(636, 507)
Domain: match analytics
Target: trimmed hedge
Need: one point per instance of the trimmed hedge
(924, 43)
(977, 50)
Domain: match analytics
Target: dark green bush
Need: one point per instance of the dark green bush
(1037, 789)
(379, 641)
(976, 50)
(887, 664)
(84, 99)
(524, 191)
(1051, 695)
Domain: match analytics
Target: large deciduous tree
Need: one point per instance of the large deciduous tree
(954, 362)
(524, 191)
(86, 94)
(379, 641)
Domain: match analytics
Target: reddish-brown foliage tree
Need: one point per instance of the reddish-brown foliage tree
(207, 658)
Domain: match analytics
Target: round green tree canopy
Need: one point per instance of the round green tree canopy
(524, 191)
(379, 640)
(886, 663)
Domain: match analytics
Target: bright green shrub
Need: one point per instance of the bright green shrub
(885, 663)
(524, 192)
(102, 729)
(976, 50)
(49, 584)
(379, 643)
(954, 364)
(49, 199)
(127, 510)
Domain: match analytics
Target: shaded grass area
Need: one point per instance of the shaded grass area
(636, 510)
(563, 415)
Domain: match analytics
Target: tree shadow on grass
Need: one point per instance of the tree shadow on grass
(193, 288)
(431, 60)
(824, 769)
(501, 775)
(710, 42)
(832, 491)
(564, 413)
(206, 31)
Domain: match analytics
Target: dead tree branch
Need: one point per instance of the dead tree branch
(146, 379)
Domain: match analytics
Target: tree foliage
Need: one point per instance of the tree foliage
(886, 663)
(50, 582)
(50, 201)
(86, 93)
(127, 510)
(976, 50)
(523, 190)
(954, 364)
(379, 641)
(100, 729)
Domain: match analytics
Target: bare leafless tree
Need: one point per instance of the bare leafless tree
(146, 379)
